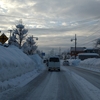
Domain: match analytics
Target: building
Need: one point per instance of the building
(91, 50)
(78, 50)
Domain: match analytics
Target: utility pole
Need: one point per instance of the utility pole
(75, 44)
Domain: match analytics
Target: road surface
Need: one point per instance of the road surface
(91, 76)
(63, 85)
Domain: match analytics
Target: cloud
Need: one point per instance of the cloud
(87, 8)
(56, 20)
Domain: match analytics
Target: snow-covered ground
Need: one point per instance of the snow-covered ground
(90, 64)
(16, 68)
(93, 93)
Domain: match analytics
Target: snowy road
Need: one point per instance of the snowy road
(64, 85)
(91, 76)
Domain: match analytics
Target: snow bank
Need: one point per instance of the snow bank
(16, 68)
(38, 61)
(14, 63)
(91, 64)
(74, 62)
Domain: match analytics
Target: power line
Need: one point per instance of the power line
(91, 35)
(90, 41)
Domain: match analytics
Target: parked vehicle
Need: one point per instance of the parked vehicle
(45, 61)
(65, 63)
(84, 56)
(53, 63)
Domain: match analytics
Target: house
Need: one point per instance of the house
(78, 50)
(91, 50)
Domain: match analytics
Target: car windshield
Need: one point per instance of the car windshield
(54, 59)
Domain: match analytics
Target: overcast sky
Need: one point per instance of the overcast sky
(54, 22)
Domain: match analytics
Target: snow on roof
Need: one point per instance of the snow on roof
(91, 49)
(88, 54)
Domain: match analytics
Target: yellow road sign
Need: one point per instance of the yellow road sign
(3, 38)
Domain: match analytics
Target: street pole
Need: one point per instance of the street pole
(10, 32)
(75, 46)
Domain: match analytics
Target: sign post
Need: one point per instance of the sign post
(3, 38)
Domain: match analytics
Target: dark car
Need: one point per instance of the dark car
(65, 63)
(44, 61)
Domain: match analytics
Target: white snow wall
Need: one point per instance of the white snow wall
(91, 64)
(14, 63)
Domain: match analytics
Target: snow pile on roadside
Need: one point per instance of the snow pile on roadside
(91, 64)
(74, 62)
(14, 63)
(16, 68)
(36, 58)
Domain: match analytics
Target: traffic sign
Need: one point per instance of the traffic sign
(3, 38)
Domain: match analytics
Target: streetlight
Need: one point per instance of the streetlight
(10, 32)
(35, 37)
(75, 44)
